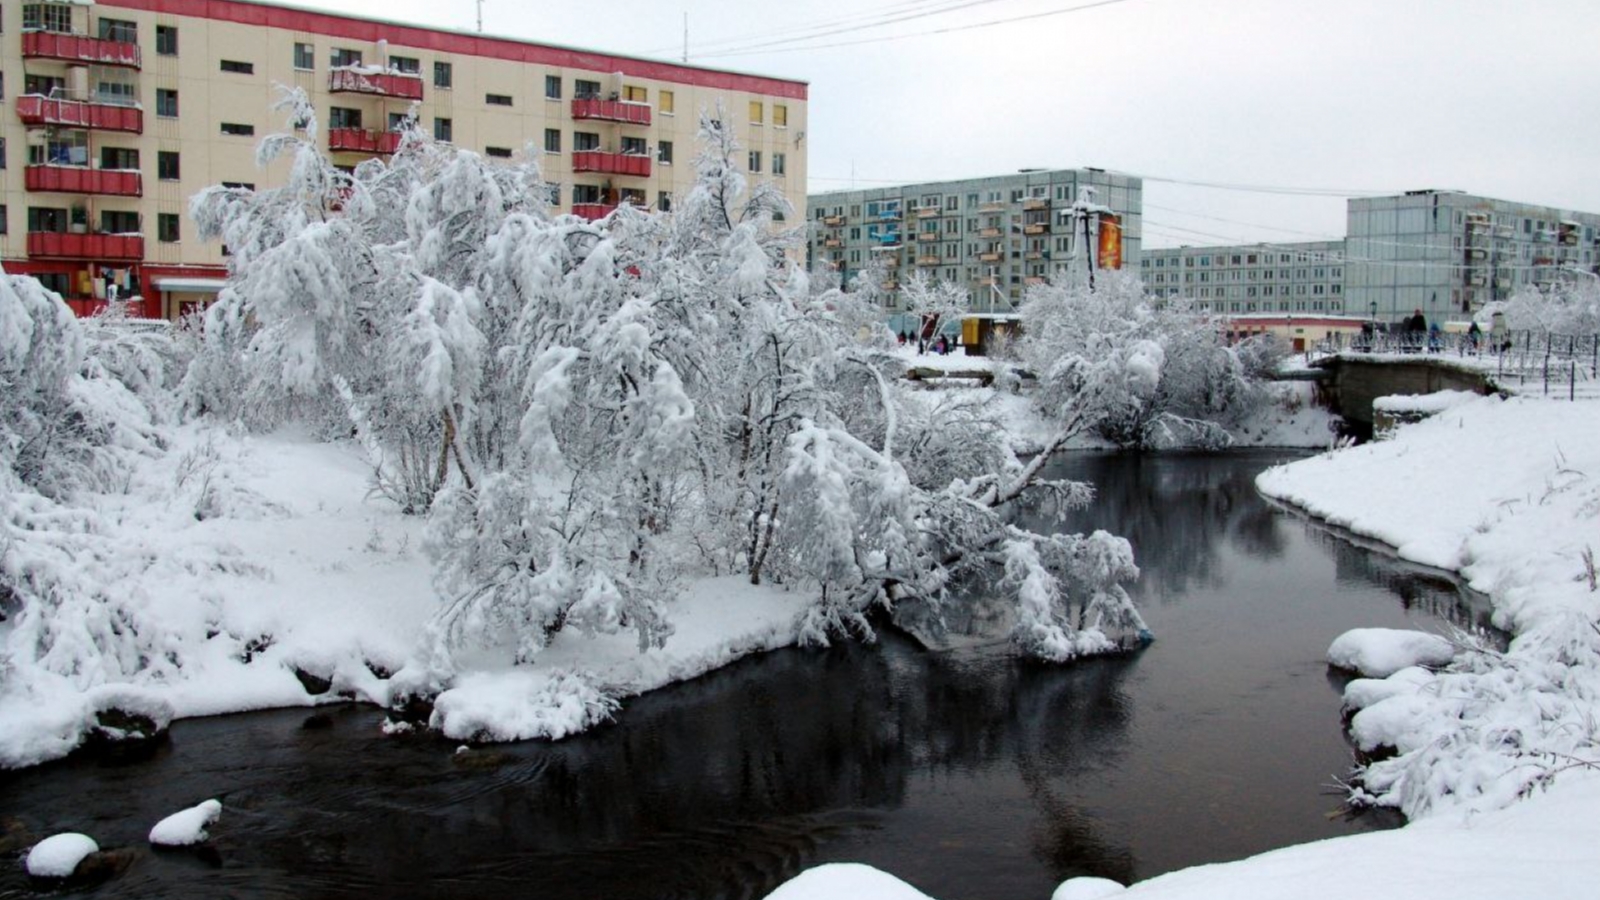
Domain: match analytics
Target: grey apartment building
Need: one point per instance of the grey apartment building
(994, 236)
(1448, 253)
(1302, 277)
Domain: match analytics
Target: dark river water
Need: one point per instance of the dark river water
(968, 772)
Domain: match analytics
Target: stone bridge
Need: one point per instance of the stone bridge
(1349, 384)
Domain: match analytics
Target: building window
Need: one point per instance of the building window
(755, 160)
(780, 115)
(238, 68)
(48, 219)
(116, 93)
(167, 165)
(552, 140)
(116, 221)
(756, 114)
(410, 65)
(441, 129)
(552, 87)
(167, 40)
(343, 117)
(498, 152)
(636, 94)
(47, 17)
(555, 194)
(238, 129)
(122, 158)
(397, 121)
(119, 30)
(585, 90)
(664, 201)
(3, 219)
(167, 227)
(635, 146)
(664, 100)
(166, 103)
(780, 166)
(664, 152)
(2, 153)
(342, 56)
(585, 140)
(585, 193)
(444, 75)
(497, 99)
(305, 57)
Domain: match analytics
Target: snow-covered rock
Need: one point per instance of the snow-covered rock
(1381, 652)
(58, 856)
(836, 880)
(1087, 888)
(186, 827)
(1364, 692)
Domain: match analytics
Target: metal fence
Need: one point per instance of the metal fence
(1562, 364)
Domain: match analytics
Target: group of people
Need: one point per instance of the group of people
(1416, 331)
(940, 345)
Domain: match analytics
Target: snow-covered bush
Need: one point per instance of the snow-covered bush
(1110, 363)
(1565, 307)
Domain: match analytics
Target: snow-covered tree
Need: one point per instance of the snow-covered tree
(1568, 307)
(1111, 364)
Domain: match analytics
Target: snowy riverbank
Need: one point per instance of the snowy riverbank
(291, 564)
(1496, 762)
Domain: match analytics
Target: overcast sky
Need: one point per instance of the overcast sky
(1493, 97)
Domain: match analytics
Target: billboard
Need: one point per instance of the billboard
(1110, 249)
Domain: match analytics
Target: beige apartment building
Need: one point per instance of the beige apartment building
(123, 109)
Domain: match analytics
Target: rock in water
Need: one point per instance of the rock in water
(58, 855)
(187, 827)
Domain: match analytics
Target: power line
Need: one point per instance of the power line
(911, 6)
(916, 34)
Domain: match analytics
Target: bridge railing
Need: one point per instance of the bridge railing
(1558, 362)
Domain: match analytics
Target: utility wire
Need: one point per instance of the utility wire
(916, 34)
(879, 14)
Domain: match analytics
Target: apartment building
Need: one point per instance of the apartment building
(994, 235)
(1304, 277)
(125, 108)
(1448, 253)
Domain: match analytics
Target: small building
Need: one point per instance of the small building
(1299, 333)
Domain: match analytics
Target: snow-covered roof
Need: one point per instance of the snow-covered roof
(195, 285)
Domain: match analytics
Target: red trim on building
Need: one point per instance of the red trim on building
(423, 38)
(151, 272)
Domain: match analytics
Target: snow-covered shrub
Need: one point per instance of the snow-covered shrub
(1110, 363)
(1564, 307)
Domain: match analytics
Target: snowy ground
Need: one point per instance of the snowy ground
(1499, 754)
(295, 565)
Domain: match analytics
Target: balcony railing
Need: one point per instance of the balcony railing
(79, 48)
(119, 247)
(928, 260)
(1035, 228)
(611, 163)
(928, 236)
(1035, 203)
(991, 257)
(37, 109)
(833, 243)
(361, 140)
(592, 211)
(833, 221)
(380, 84)
(927, 212)
(83, 180)
(990, 232)
(611, 110)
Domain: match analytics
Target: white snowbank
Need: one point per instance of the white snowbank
(1542, 847)
(58, 855)
(1438, 401)
(1381, 652)
(186, 827)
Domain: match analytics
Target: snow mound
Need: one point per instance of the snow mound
(1381, 652)
(1438, 401)
(58, 856)
(836, 880)
(520, 706)
(186, 827)
(1364, 692)
(1087, 888)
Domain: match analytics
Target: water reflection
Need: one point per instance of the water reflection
(968, 772)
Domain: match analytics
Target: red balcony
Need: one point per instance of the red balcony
(78, 48)
(592, 211)
(360, 140)
(103, 247)
(83, 180)
(35, 110)
(612, 111)
(387, 84)
(611, 163)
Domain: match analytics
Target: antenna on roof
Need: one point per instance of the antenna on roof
(686, 36)
(480, 16)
